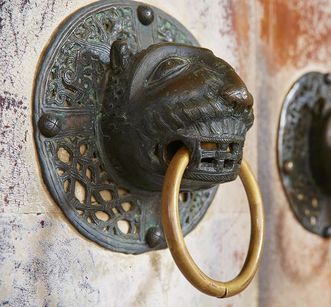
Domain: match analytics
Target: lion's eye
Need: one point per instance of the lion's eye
(167, 68)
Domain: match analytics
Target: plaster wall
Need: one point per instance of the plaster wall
(44, 261)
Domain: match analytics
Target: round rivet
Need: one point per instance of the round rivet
(145, 14)
(327, 78)
(300, 196)
(327, 231)
(314, 202)
(49, 125)
(288, 167)
(154, 237)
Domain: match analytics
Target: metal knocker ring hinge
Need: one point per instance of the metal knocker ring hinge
(175, 239)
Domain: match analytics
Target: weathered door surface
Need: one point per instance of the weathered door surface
(294, 37)
(44, 261)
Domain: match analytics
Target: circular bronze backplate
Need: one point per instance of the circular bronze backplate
(66, 123)
(300, 151)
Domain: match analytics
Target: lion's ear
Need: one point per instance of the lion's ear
(119, 55)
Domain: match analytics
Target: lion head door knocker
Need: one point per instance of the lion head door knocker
(129, 114)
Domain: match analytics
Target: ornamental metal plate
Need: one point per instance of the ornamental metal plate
(66, 118)
(304, 151)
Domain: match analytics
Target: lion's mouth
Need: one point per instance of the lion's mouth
(219, 156)
(212, 160)
(217, 160)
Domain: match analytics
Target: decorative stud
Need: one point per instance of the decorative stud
(327, 231)
(49, 125)
(154, 237)
(327, 78)
(145, 14)
(288, 167)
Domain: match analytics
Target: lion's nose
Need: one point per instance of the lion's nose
(237, 95)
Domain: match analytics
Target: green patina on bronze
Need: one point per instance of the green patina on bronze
(119, 89)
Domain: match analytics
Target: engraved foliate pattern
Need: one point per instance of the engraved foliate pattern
(73, 163)
(83, 57)
(168, 32)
